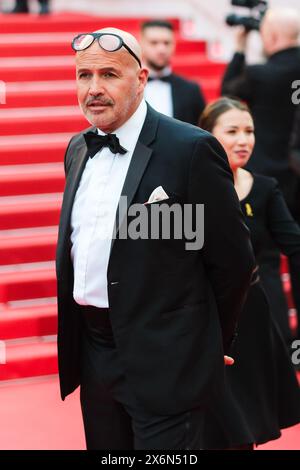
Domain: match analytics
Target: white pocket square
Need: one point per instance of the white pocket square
(158, 194)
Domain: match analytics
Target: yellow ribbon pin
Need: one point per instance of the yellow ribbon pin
(249, 211)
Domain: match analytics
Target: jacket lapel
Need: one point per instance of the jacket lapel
(176, 97)
(138, 164)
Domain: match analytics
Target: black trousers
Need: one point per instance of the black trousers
(113, 418)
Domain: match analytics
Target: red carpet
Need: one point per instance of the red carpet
(36, 122)
(34, 417)
(289, 440)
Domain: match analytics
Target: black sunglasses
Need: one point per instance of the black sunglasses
(107, 41)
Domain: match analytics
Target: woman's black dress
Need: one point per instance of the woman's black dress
(261, 394)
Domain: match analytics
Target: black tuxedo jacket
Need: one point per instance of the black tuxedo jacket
(188, 100)
(267, 88)
(170, 308)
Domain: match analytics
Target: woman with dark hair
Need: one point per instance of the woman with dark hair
(261, 395)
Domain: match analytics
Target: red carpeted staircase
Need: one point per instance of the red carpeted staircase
(40, 115)
(36, 123)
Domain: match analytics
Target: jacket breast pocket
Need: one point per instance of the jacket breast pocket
(172, 199)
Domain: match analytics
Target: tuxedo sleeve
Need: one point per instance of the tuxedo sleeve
(227, 250)
(68, 156)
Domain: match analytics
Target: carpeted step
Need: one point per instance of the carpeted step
(286, 281)
(30, 94)
(288, 289)
(63, 92)
(38, 148)
(28, 359)
(190, 68)
(27, 69)
(29, 211)
(31, 179)
(42, 120)
(29, 245)
(28, 320)
(67, 21)
(20, 282)
(54, 44)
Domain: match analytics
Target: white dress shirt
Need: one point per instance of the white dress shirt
(159, 94)
(94, 212)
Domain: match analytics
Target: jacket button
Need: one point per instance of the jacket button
(114, 283)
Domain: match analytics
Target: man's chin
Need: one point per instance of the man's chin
(101, 122)
(97, 115)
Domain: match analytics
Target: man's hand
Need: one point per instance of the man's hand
(228, 361)
(241, 36)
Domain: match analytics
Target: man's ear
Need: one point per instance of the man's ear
(143, 77)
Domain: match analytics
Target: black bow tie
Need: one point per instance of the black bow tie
(166, 78)
(96, 142)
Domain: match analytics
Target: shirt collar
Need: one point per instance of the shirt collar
(129, 132)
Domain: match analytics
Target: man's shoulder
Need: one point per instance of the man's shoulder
(178, 128)
(186, 142)
(183, 82)
(265, 184)
(290, 55)
(255, 69)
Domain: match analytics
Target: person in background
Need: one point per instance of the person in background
(267, 89)
(167, 92)
(21, 6)
(262, 393)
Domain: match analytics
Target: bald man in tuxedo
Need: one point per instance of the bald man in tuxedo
(144, 322)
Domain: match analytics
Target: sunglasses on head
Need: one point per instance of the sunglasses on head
(107, 41)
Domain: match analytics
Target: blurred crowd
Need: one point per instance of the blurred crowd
(23, 6)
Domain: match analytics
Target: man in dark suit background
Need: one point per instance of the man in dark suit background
(143, 322)
(167, 92)
(267, 88)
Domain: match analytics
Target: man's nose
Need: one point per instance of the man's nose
(161, 48)
(96, 86)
